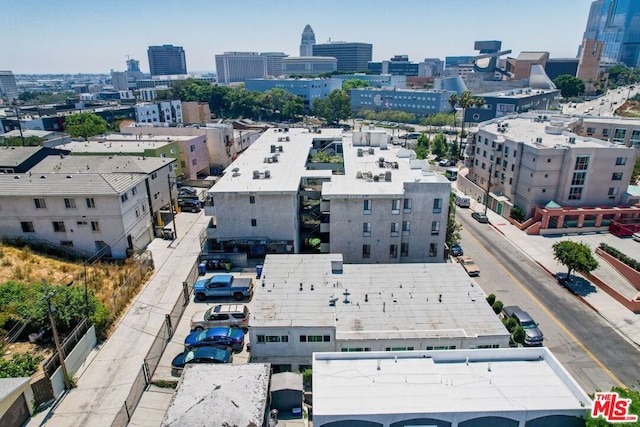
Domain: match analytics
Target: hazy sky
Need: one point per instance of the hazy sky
(72, 36)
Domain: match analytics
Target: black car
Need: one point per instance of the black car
(480, 217)
(192, 205)
(456, 250)
(200, 355)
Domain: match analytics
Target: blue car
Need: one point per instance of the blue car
(216, 337)
(200, 355)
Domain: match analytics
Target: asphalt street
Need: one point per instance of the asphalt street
(588, 347)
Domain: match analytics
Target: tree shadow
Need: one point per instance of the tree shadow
(576, 285)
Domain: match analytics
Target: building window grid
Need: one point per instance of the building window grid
(58, 226)
(40, 203)
(91, 203)
(395, 207)
(433, 249)
(367, 206)
(394, 229)
(70, 203)
(435, 228)
(437, 206)
(366, 229)
(393, 251)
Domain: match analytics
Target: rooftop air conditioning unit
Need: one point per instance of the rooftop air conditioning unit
(359, 152)
(256, 174)
(267, 174)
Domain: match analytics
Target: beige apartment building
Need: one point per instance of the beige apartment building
(620, 131)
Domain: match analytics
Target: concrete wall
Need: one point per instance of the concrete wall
(74, 360)
(195, 155)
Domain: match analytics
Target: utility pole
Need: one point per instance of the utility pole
(47, 296)
(15, 109)
(173, 214)
(486, 202)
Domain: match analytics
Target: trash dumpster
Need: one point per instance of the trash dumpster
(202, 268)
(168, 234)
(258, 271)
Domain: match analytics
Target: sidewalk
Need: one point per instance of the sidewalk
(539, 249)
(107, 379)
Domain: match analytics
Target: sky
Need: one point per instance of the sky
(91, 36)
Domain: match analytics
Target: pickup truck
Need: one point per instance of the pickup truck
(469, 266)
(223, 285)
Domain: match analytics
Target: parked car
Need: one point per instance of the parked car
(636, 237)
(216, 337)
(231, 315)
(463, 201)
(190, 205)
(200, 355)
(189, 191)
(456, 250)
(532, 334)
(480, 217)
(469, 266)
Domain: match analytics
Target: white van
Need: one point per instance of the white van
(463, 201)
(451, 174)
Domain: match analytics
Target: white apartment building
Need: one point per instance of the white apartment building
(166, 112)
(90, 212)
(456, 388)
(156, 171)
(533, 159)
(353, 194)
(304, 304)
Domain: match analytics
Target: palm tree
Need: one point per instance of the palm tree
(473, 102)
(465, 101)
(453, 100)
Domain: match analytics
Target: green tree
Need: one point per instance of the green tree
(636, 172)
(620, 75)
(84, 125)
(453, 227)
(634, 408)
(439, 146)
(20, 365)
(219, 99)
(518, 334)
(422, 146)
(569, 85)
(576, 256)
(517, 213)
(439, 119)
(354, 84)
(335, 107)
(491, 299)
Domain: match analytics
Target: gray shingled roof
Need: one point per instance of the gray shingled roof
(51, 184)
(101, 164)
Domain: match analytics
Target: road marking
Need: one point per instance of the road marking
(557, 322)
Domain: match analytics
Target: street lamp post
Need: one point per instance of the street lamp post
(486, 201)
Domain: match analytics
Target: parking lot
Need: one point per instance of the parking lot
(176, 345)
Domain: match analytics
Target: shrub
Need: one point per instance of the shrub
(491, 299)
(497, 307)
(517, 213)
(621, 256)
(20, 365)
(518, 334)
(510, 323)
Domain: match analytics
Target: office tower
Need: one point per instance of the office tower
(307, 41)
(166, 60)
(589, 63)
(274, 62)
(615, 23)
(239, 66)
(350, 56)
(434, 67)
(8, 87)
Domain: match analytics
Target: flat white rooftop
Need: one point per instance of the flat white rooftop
(553, 133)
(387, 301)
(435, 382)
(286, 172)
(121, 143)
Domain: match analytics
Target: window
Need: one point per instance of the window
(591, 131)
(67, 243)
(95, 226)
(366, 251)
(395, 206)
(582, 163)
(91, 204)
(134, 191)
(575, 193)
(404, 250)
(27, 227)
(367, 206)
(154, 175)
(621, 161)
(124, 197)
(252, 199)
(506, 151)
(394, 229)
(366, 229)
(617, 176)
(435, 228)
(515, 153)
(437, 205)
(393, 251)
(406, 226)
(578, 178)
(315, 338)
(58, 226)
(433, 249)
(40, 203)
(619, 134)
(398, 349)
(355, 349)
(407, 206)
(272, 338)
(194, 162)
(605, 132)
(192, 148)
(488, 346)
(548, 160)
(635, 137)
(70, 203)
(613, 191)
(254, 222)
(441, 347)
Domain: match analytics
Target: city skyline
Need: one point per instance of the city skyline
(89, 37)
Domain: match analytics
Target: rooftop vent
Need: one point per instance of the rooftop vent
(267, 174)
(256, 174)
(359, 152)
(387, 176)
(371, 150)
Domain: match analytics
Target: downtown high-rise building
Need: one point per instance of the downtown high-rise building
(238, 66)
(307, 41)
(616, 24)
(166, 60)
(8, 87)
(351, 56)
